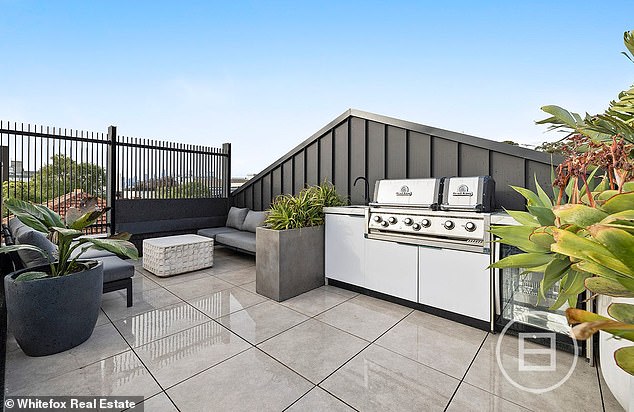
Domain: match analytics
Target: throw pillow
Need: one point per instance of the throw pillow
(236, 216)
(32, 258)
(253, 220)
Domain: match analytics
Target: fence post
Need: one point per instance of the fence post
(112, 176)
(226, 148)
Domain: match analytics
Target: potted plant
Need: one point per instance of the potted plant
(54, 307)
(290, 247)
(585, 238)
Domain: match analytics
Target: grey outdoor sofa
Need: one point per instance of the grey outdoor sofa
(117, 273)
(239, 230)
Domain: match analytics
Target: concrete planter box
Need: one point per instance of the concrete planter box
(289, 262)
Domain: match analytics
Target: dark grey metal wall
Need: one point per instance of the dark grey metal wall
(379, 147)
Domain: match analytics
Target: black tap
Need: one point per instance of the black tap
(366, 195)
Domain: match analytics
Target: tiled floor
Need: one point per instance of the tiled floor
(206, 341)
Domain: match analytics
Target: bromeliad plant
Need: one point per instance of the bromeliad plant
(304, 210)
(66, 234)
(585, 238)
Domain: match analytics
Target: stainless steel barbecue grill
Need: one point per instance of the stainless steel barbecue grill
(407, 211)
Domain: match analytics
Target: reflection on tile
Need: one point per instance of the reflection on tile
(421, 337)
(144, 301)
(179, 356)
(262, 321)
(580, 392)
(173, 280)
(226, 301)
(364, 316)
(314, 302)
(102, 318)
(313, 349)
(319, 400)
(198, 287)
(247, 382)
(150, 326)
(159, 403)
(140, 284)
(343, 292)
(470, 398)
(379, 380)
(120, 375)
(26, 373)
(239, 277)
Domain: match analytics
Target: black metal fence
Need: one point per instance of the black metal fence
(64, 168)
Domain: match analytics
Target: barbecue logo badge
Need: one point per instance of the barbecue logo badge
(463, 190)
(404, 191)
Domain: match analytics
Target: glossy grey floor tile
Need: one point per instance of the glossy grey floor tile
(343, 292)
(315, 301)
(364, 316)
(150, 326)
(578, 392)
(198, 287)
(262, 321)
(102, 319)
(610, 403)
(470, 398)
(173, 280)
(120, 375)
(238, 277)
(159, 403)
(249, 381)
(319, 400)
(25, 373)
(143, 301)
(250, 287)
(140, 283)
(181, 355)
(423, 337)
(381, 380)
(313, 349)
(226, 301)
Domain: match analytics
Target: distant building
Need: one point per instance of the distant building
(236, 182)
(17, 172)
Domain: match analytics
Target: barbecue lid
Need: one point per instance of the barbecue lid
(407, 192)
(476, 193)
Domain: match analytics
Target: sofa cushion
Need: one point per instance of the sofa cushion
(253, 220)
(91, 253)
(236, 216)
(213, 231)
(32, 258)
(239, 240)
(116, 269)
(17, 227)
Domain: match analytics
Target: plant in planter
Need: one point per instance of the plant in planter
(290, 248)
(585, 238)
(54, 307)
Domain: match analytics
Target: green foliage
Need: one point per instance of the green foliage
(304, 210)
(67, 236)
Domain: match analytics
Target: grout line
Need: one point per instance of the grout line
(467, 371)
(598, 370)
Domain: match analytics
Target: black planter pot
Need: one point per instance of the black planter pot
(52, 315)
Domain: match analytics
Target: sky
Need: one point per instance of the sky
(266, 75)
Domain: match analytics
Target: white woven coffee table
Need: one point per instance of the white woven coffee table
(171, 255)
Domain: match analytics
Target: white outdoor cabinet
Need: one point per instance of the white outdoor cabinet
(455, 281)
(392, 268)
(345, 248)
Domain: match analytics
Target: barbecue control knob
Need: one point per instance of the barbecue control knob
(425, 222)
(449, 225)
(384, 223)
(377, 219)
(392, 220)
(416, 226)
(470, 226)
(408, 221)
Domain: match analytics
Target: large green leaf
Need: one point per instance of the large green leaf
(518, 236)
(15, 248)
(50, 217)
(626, 215)
(624, 357)
(608, 287)
(523, 218)
(69, 233)
(524, 260)
(617, 241)
(544, 215)
(545, 199)
(27, 213)
(555, 270)
(591, 323)
(579, 214)
(594, 268)
(31, 276)
(623, 312)
(531, 197)
(87, 219)
(116, 246)
(619, 203)
(560, 116)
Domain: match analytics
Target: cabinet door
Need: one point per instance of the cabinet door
(392, 268)
(344, 248)
(455, 281)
